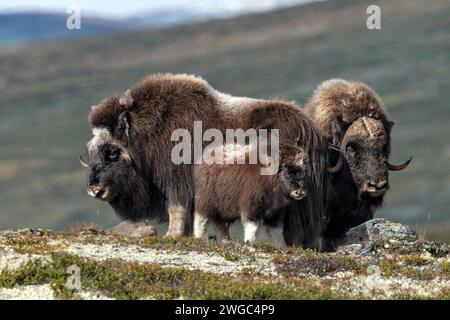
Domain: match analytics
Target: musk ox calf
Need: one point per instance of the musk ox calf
(227, 192)
(351, 116)
(129, 156)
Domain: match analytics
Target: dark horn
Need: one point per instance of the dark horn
(398, 167)
(84, 164)
(338, 165)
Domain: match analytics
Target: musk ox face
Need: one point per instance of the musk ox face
(366, 146)
(110, 167)
(367, 162)
(115, 173)
(293, 173)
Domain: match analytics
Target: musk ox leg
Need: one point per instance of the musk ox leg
(327, 244)
(200, 225)
(223, 230)
(179, 216)
(275, 235)
(250, 230)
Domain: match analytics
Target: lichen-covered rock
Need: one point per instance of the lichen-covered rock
(377, 236)
(379, 229)
(133, 229)
(11, 260)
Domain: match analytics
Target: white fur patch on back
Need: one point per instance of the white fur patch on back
(234, 151)
(232, 103)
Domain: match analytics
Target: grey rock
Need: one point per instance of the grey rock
(379, 229)
(133, 229)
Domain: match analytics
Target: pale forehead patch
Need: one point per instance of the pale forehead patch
(366, 126)
(100, 137)
(373, 127)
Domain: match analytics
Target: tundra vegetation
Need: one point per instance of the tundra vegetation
(389, 262)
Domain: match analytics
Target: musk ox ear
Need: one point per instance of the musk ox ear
(338, 129)
(122, 131)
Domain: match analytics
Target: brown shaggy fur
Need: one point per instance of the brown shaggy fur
(347, 101)
(352, 116)
(227, 192)
(165, 102)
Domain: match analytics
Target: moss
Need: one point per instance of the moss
(233, 250)
(391, 267)
(445, 266)
(417, 260)
(298, 269)
(316, 263)
(444, 295)
(31, 241)
(266, 247)
(435, 249)
(123, 280)
(230, 257)
(36, 273)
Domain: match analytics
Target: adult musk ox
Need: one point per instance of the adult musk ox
(352, 117)
(129, 157)
(227, 192)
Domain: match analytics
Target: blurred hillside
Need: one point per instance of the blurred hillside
(46, 92)
(45, 21)
(33, 27)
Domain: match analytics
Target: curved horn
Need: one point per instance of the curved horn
(338, 165)
(84, 164)
(399, 167)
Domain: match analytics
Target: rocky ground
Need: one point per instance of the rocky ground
(380, 260)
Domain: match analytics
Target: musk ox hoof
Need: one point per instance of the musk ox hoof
(133, 229)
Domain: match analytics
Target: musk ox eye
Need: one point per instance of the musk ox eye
(113, 155)
(350, 151)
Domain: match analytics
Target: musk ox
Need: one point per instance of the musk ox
(352, 117)
(129, 157)
(227, 192)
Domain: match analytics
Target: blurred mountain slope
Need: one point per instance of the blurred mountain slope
(41, 23)
(34, 27)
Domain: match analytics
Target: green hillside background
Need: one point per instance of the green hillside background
(46, 92)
